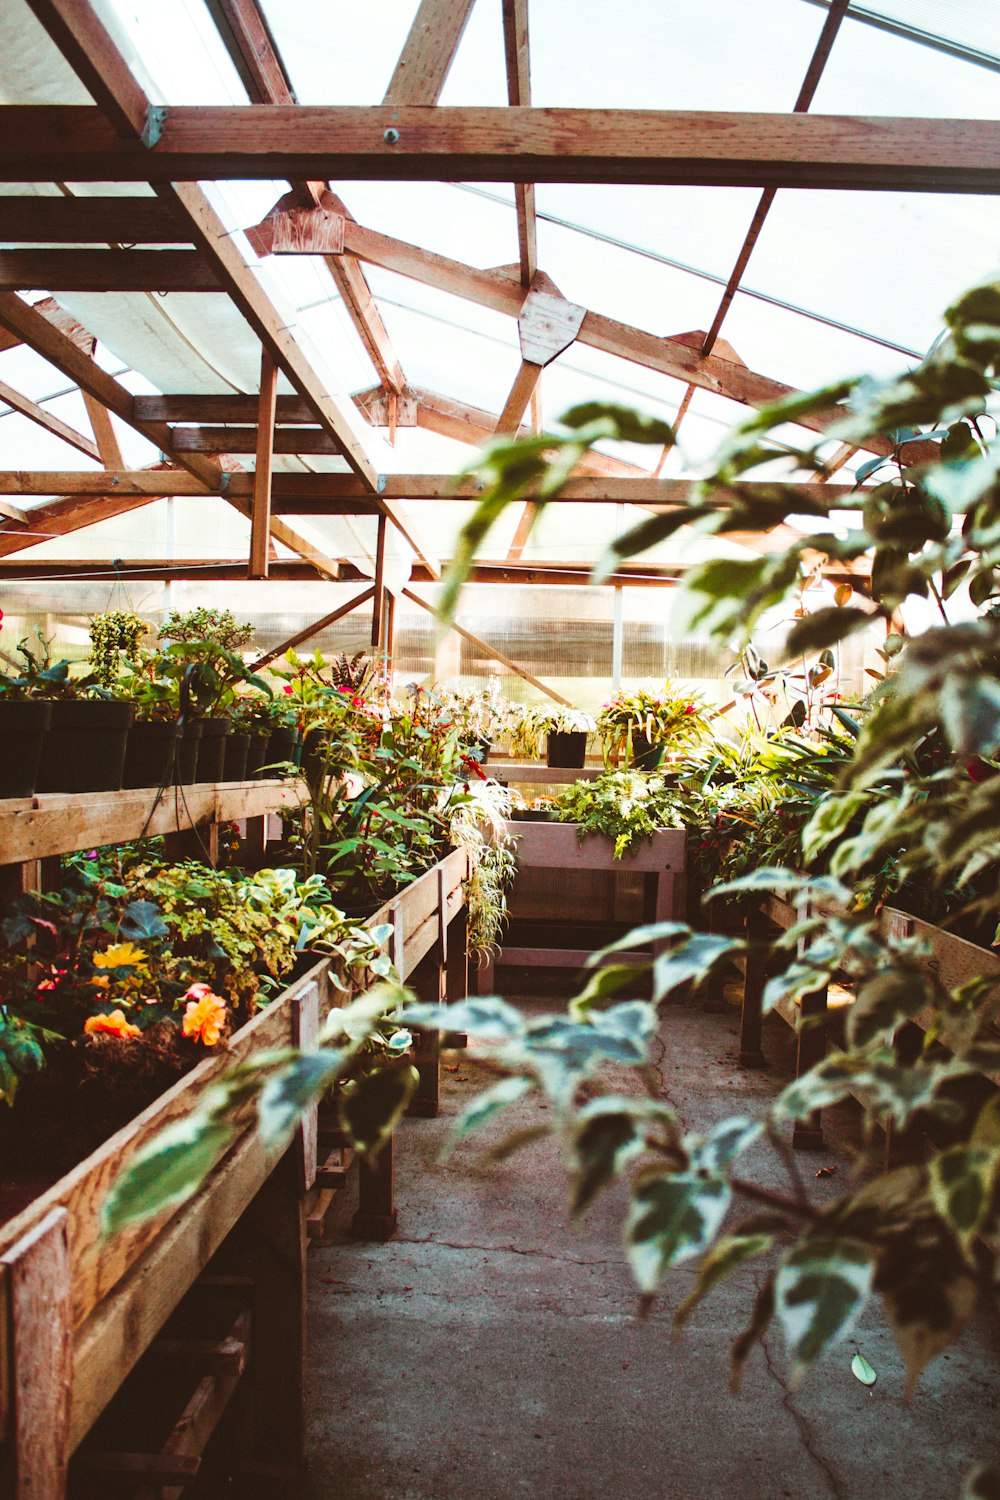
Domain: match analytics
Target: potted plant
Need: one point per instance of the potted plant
(83, 749)
(639, 725)
(567, 730)
(25, 711)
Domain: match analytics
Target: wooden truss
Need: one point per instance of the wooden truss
(178, 243)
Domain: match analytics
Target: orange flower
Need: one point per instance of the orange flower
(115, 1024)
(204, 1018)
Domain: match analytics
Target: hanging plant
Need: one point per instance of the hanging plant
(114, 635)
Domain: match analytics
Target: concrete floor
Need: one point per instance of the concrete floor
(491, 1351)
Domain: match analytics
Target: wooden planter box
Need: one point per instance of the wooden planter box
(77, 1312)
(660, 860)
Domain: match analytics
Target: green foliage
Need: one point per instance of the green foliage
(114, 637)
(624, 806)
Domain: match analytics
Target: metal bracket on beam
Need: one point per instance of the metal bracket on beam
(156, 118)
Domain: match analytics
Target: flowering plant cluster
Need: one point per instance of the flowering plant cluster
(666, 718)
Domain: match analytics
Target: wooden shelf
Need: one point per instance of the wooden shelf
(60, 823)
(535, 773)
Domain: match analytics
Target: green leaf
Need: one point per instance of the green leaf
(601, 985)
(291, 1088)
(372, 1109)
(927, 1289)
(862, 1370)
(143, 919)
(715, 1152)
(166, 1172)
(486, 1106)
(885, 1000)
(671, 1218)
(821, 1286)
(651, 932)
(970, 709)
(825, 627)
(725, 1257)
(490, 1018)
(725, 597)
(623, 423)
(962, 1182)
(607, 1134)
(831, 817)
(695, 959)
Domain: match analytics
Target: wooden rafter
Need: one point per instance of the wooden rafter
(244, 440)
(874, 153)
(67, 515)
(493, 652)
(101, 220)
(429, 51)
(104, 432)
(499, 290)
(43, 418)
(106, 271)
(836, 14)
(516, 50)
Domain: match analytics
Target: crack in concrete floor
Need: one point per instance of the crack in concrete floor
(802, 1424)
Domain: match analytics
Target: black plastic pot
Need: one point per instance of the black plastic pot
(149, 754)
(566, 748)
(257, 753)
(23, 724)
(531, 815)
(282, 745)
(187, 752)
(212, 750)
(234, 766)
(84, 750)
(645, 756)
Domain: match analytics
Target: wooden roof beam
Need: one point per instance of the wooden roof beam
(102, 220)
(51, 424)
(428, 52)
(106, 271)
(700, 148)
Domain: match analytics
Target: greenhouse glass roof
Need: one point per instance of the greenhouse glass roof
(693, 292)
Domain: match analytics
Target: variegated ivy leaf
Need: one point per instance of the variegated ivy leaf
(833, 814)
(693, 960)
(487, 1105)
(650, 932)
(607, 1134)
(291, 1088)
(821, 1286)
(885, 1000)
(725, 1257)
(782, 882)
(490, 1018)
(983, 1483)
(167, 1171)
(715, 1152)
(962, 1182)
(671, 1218)
(926, 1287)
(373, 1106)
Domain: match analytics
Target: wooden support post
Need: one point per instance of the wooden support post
(755, 977)
(37, 1362)
(807, 1135)
(378, 598)
(254, 842)
(428, 981)
(456, 969)
(376, 1217)
(193, 843)
(276, 1221)
(260, 521)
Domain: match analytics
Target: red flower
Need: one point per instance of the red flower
(287, 688)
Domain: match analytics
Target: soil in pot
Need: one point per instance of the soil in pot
(149, 754)
(187, 752)
(84, 749)
(234, 766)
(212, 750)
(566, 749)
(23, 724)
(257, 753)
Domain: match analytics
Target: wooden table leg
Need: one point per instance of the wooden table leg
(36, 1290)
(276, 1222)
(456, 970)
(428, 981)
(755, 977)
(376, 1216)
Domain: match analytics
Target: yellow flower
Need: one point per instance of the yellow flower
(120, 956)
(115, 1024)
(204, 1019)
(100, 981)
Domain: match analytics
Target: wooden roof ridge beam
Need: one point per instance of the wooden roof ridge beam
(517, 55)
(428, 52)
(42, 418)
(697, 148)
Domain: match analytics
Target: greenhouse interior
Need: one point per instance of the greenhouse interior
(499, 749)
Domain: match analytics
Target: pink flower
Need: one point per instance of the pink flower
(287, 688)
(198, 991)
